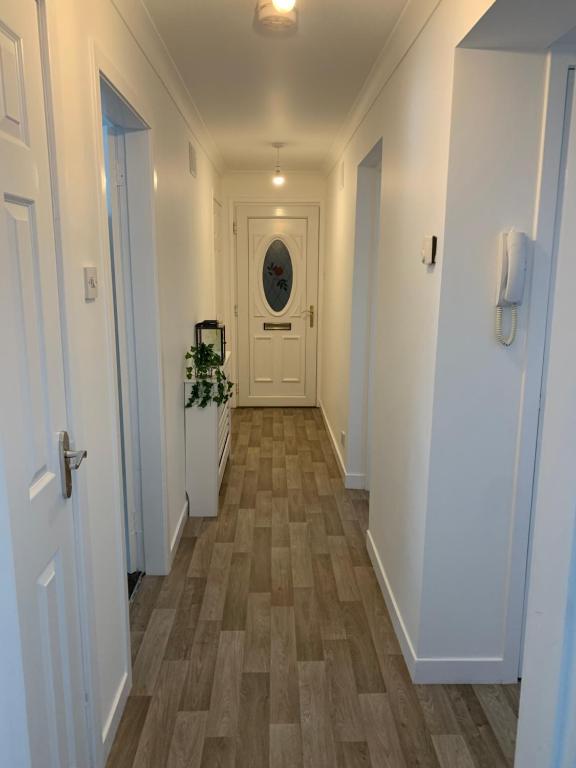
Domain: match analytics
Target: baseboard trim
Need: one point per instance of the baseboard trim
(435, 670)
(395, 615)
(354, 480)
(462, 671)
(335, 446)
(116, 711)
(179, 529)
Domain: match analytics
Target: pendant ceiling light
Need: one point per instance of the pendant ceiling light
(278, 179)
(278, 15)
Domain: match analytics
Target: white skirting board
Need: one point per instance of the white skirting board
(351, 480)
(178, 532)
(335, 446)
(354, 481)
(113, 720)
(435, 670)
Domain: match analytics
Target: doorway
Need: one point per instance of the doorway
(364, 305)
(44, 680)
(562, 220)
(277, 271)
(546, 732)
(118, 120)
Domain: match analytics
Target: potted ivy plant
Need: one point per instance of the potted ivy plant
(210, 384)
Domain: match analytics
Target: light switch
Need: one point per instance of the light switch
(429, 246)
(90, 283)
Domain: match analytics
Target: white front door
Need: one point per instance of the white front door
(277, 268)
(33, 407)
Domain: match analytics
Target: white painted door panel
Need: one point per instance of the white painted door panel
(277, 299)
(33, 407)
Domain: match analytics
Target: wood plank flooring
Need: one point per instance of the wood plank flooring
(270, 646)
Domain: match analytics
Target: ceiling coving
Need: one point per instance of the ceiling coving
(253, 86)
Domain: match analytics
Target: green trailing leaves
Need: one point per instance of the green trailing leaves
(210, 385)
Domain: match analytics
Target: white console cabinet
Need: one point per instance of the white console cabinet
(207, 450)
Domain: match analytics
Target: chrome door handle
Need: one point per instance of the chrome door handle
(75, 458)
(69, 460)
(310, 313)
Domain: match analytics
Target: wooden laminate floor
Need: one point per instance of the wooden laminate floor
(269, 644)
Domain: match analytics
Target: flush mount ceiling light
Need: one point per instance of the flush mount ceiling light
(278, 179)
(278, 15)
(284, 6)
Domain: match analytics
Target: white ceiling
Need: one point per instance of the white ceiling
(568, 39)
(253, 90)
(523, 25)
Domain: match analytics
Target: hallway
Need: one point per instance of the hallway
(270, 644)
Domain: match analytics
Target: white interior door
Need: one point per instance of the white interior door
(33, 407)
(277, 304)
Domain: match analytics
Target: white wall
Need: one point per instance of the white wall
(257, 187)
(447, 399)
(412, 116)
(81, 33)
(479, 494)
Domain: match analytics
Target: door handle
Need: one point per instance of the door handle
(310, 313)
(75, 458)
(69, 460)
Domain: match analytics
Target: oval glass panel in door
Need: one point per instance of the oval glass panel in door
(277, 275)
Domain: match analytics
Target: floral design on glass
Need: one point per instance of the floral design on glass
(277, 275)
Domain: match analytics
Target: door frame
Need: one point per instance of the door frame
(150, 383)
(548, 699)
(365, 284)
(279, 210)
(125, 337)
(231, 203)
(146, 312)
(542, 280)
(539, 282)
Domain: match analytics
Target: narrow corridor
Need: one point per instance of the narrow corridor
(270, 644)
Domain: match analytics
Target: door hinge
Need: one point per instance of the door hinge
(234, 228)
(235, 310)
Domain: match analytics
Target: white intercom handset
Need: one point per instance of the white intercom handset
(511, 281)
